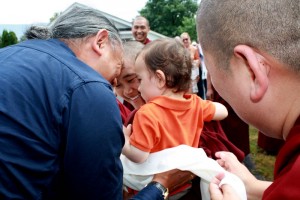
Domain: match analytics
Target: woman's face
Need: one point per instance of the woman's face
(127, 84)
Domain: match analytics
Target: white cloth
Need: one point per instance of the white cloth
(203, 67)
(182, 157)
(194, 75)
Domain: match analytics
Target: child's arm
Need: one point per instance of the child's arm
(131, 152)
(221, 111)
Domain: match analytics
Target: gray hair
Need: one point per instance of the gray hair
(271, 26)
(131, 49)
(78, 22)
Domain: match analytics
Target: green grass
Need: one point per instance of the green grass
(264, 164)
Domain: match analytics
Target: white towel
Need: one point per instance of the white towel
(182, 157)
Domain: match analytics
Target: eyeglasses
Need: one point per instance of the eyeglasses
(185, 39)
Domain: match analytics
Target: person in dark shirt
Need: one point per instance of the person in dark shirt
(60, 126)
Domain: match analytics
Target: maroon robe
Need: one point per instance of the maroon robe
(128, 105)
(124, 111)
(214, 139)
(147, 41)
(236, 130)
(286, 183)
(268, 144)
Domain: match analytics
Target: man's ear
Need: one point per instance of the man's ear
(100, 41)
(258, 68)
(161, 78)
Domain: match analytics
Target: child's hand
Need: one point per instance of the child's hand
(127, 132)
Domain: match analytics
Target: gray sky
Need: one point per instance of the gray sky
(35, 11)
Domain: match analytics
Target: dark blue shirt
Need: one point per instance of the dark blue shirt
(60, 127)
(150, 192)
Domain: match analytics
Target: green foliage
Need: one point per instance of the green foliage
(8, 38)
(23, 38)
(264, 163)
(171, 17)
(189, 27)
(54, 16)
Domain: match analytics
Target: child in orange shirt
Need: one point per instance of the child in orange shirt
(170, 117)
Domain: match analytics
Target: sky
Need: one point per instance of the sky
(37, 11)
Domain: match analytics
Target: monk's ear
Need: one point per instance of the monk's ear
(258, 69)
(100, 41)
(161, 78)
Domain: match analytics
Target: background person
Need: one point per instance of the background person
(256, 59)
(140, 29)
(60, 130)
(194, 53)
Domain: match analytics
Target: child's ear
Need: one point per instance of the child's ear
(161, 78)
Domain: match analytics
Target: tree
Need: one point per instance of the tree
(8, 38)
(54, 16)
(171, 17)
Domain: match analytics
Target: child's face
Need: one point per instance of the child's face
(148, 82)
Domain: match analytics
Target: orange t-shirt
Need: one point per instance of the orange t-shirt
(166, 122)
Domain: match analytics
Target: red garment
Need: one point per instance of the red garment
(125, 112)
(214, 139)
(270, 145)
(128, 105)
(147, 41)
(130, 117)
(286, 183)
(236, 130)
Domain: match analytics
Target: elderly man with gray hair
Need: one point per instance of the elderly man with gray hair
(60, 130)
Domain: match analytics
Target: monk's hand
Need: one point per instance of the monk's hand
(230, 163)
(226, 192)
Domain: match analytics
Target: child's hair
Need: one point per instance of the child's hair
(169, 56)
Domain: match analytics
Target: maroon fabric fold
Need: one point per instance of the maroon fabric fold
(236, 130)
(124, 111)
(214, 139)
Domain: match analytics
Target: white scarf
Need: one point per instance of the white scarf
(184, 158)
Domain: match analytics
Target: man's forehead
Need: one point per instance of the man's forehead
(140, 22)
